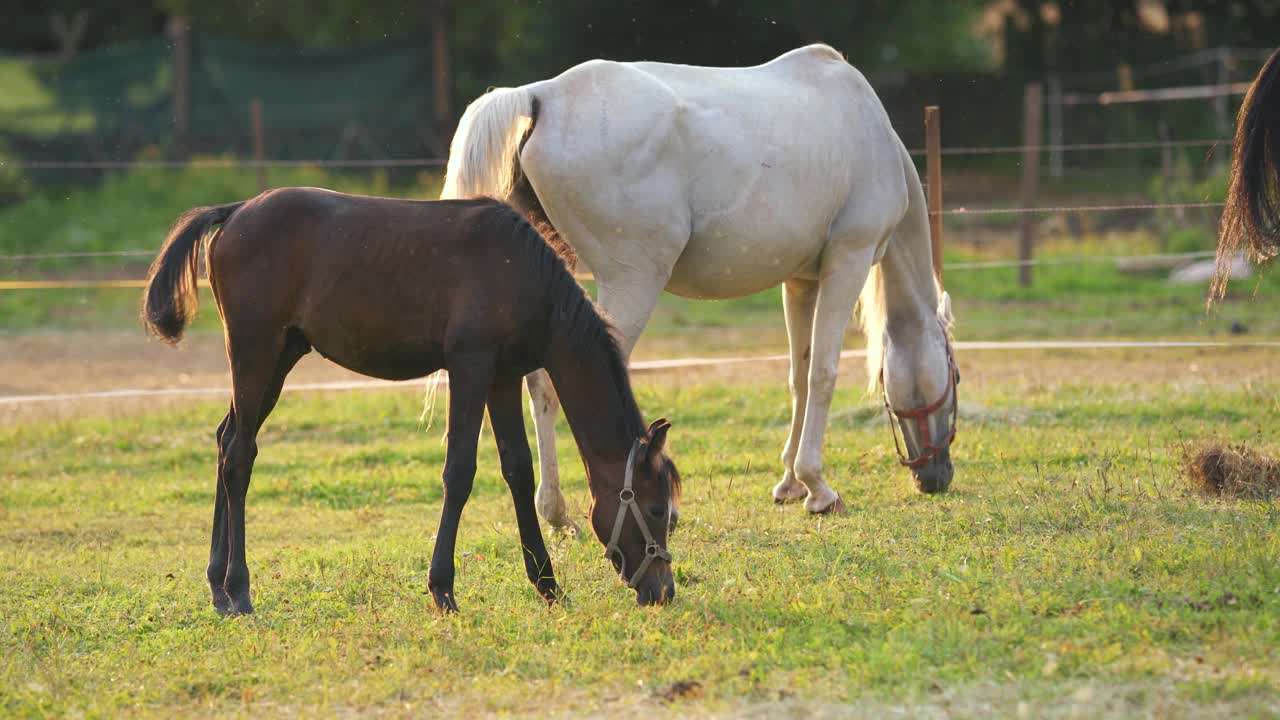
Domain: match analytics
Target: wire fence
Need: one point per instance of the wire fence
(1080, 147)
(36, 257)
(226, 164)
(1078, 209)
(236, 163)
(436, 162)
(1150, 258)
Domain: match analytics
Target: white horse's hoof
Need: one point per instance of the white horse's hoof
(789, 490)
(822, 505)
(565, 527)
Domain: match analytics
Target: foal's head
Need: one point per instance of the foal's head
(634, 509)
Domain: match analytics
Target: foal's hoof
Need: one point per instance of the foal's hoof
(221, 601)
(239, 606)
(445, 602)
(552, 594)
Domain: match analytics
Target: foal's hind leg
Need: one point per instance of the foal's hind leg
(517, 470)
(470, 377)
(799, 298)
(217, 570)
(258, 369)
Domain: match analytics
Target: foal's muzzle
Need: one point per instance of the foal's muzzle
(656, 588)
(650, 575)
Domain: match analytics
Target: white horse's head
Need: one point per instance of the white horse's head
(916, 372)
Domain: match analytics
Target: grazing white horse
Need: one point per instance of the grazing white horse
(719, 183)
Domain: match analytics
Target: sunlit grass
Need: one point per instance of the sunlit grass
(1069, 564)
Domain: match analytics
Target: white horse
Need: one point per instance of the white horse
(719, 183)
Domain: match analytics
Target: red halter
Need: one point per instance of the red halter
(921, 416)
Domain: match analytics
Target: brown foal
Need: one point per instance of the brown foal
(398, 289)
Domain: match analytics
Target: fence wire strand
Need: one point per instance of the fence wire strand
(224, 164)
(33, 257)
(955, 266)
(1077, 209)
(1080, 147)
(246, 163)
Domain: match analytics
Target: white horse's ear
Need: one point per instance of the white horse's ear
(944, 312)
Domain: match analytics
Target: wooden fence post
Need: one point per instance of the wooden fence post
(1056, 134)
(1222, 104)
(1032, 107)
(933, 175)
(259, 141)
(179, 30)
(440, 13)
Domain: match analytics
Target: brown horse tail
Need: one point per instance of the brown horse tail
(169, 302)
(1253, 205)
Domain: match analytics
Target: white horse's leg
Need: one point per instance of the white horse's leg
(629, 305)
(629, 308)
(841, 281)
(798, 300)
(544, 406)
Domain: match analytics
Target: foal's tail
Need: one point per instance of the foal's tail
(1253, 206)
(169, 301)
(483, 157)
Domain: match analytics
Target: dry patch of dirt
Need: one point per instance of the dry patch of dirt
(77, 362)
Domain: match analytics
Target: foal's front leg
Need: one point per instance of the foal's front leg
(470, 376)
(517, 470)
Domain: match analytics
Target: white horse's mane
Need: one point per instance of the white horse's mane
(873, 317)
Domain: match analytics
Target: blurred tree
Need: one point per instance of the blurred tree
(62, 26)
(1101, 35)
(308, 23)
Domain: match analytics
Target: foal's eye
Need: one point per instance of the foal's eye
(657, 512)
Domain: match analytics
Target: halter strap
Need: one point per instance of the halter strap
(627, 499)
(921, 416)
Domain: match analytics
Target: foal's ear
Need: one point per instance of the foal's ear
(658, 435)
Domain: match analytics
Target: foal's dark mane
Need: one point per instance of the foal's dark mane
(527, 202)
(573, 315)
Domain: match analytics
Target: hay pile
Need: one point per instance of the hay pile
(1233, 471)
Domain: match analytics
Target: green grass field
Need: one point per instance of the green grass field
(1070, 572)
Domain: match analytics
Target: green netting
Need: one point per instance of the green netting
(367, 102)
(305, 89)
(99, 90)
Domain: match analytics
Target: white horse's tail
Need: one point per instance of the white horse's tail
(483, 154)
(872, 313)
